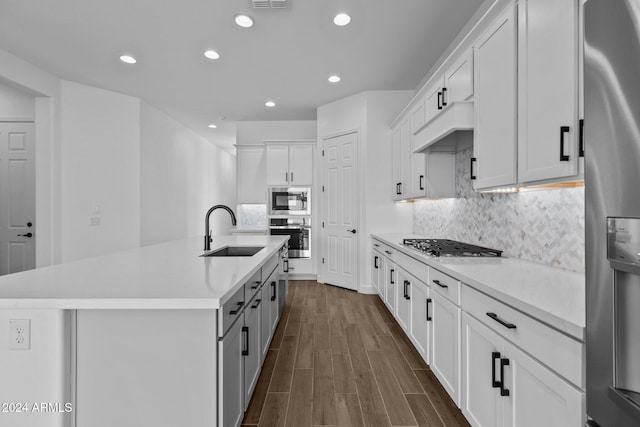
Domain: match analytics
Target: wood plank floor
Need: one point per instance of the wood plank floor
(338, 358)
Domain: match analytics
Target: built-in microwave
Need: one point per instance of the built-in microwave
(289, 201)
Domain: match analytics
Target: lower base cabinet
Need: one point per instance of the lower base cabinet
(231, 376)
(445, 345)
(252, 351)
(390, 285)
(403, 299)
(505, 387)
(420, 324)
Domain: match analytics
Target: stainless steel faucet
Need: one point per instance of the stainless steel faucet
(207, 230)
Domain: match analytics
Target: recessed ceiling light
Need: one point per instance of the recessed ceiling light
(341, 19)
(244, 21)
(270, 104)
(128, 59)
(334, 78)
(212, 54)
(212, 126)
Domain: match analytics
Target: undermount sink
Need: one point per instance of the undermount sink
(235, 251)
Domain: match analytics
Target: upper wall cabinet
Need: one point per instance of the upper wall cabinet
(495, 133)
(251, 172)
(289, 164)
(548, 68)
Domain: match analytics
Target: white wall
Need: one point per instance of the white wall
(181, 176)
(100, 132)
(254, 132)
(16, 104)
(370, 113)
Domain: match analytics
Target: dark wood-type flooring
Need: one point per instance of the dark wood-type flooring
(338, 358)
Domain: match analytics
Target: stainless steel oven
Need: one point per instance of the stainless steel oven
(299, 232)
(289, 201)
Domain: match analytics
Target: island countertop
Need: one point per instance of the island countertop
(169, 275)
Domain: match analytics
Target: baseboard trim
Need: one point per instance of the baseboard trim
(302, 276)
(369, 290)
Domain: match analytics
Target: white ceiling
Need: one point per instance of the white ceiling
(286, 56)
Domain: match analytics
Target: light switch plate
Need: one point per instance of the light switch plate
(20, 334)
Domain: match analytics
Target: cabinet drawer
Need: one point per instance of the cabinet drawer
(413, 266)
(252, 286)
(231, 310)
(559, 352)
(385, 249)
(446, 286)
(269, 267)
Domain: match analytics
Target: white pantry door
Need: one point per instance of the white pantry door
(17, 197)
(340, 211)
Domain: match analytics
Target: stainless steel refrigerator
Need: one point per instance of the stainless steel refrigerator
(612, 188)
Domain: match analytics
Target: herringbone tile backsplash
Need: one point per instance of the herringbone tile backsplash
(545, 226)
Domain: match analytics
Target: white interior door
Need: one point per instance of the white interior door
(17, 197)
(340, 211)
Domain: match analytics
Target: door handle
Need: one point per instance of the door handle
(444, 94)
(581, 151)
(439, 100)
(392, 271)
(291, 176)
(406, 290)
(495, 355)
(352, 231)
(375, 262)
(421, 182)
(273, 293)
(429, 318)
(29, 235)
(245, 331)
(563, 130)
(472, 176)
(503, 391)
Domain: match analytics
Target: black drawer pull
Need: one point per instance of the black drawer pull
(429, 318)
(273, 291)
(494, 383)
(387, 252)
(503, 391)
(437, 282)
(245, 331)
(406, 290)
(471, 162)
(392, 271)
(375, 262)
(421, 182)
(258, 301)
(563, 130)
(581, 151)
(439, 100)
(237, 310)
(502, 322)
(256, 285)
(398, 191)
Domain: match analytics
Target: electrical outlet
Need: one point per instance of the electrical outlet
(20, 334)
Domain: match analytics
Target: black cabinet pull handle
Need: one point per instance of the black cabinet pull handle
(258, 301)
(437, 282)
(285, 265)
(444, 96)
(273, 291)
(387, 252)
(245, 331)
(256, 285)
(429, 318)
(494, 382)
(376, 245)
(375, 262)
(503, 391)
(581, 151)
(406, 289)
(237, 310)
(291, 176)
(502, 322)
(422, 182)
(563, 130)
(471, 162)
(439, 100)
(392, 271)
(397, 188)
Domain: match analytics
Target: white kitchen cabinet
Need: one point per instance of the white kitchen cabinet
(266, 331)
(403, 299)
(433, 100)
(271, 289)
(495, 95)
(396, 163)
(376, 268)
(505, 387)
(458, 80)
(445, 344)
(289, 164)
(408, 168)
(548, 71)
(418, 115)
(390, 279)
(420, 324)
(251, 174)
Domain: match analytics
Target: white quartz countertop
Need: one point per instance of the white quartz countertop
(165, 276)
(551, 295)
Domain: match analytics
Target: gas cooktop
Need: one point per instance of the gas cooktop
(450, 248)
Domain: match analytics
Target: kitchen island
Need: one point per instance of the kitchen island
(148, 335)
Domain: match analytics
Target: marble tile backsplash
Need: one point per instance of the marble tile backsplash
(252, 216)
(545, 226)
